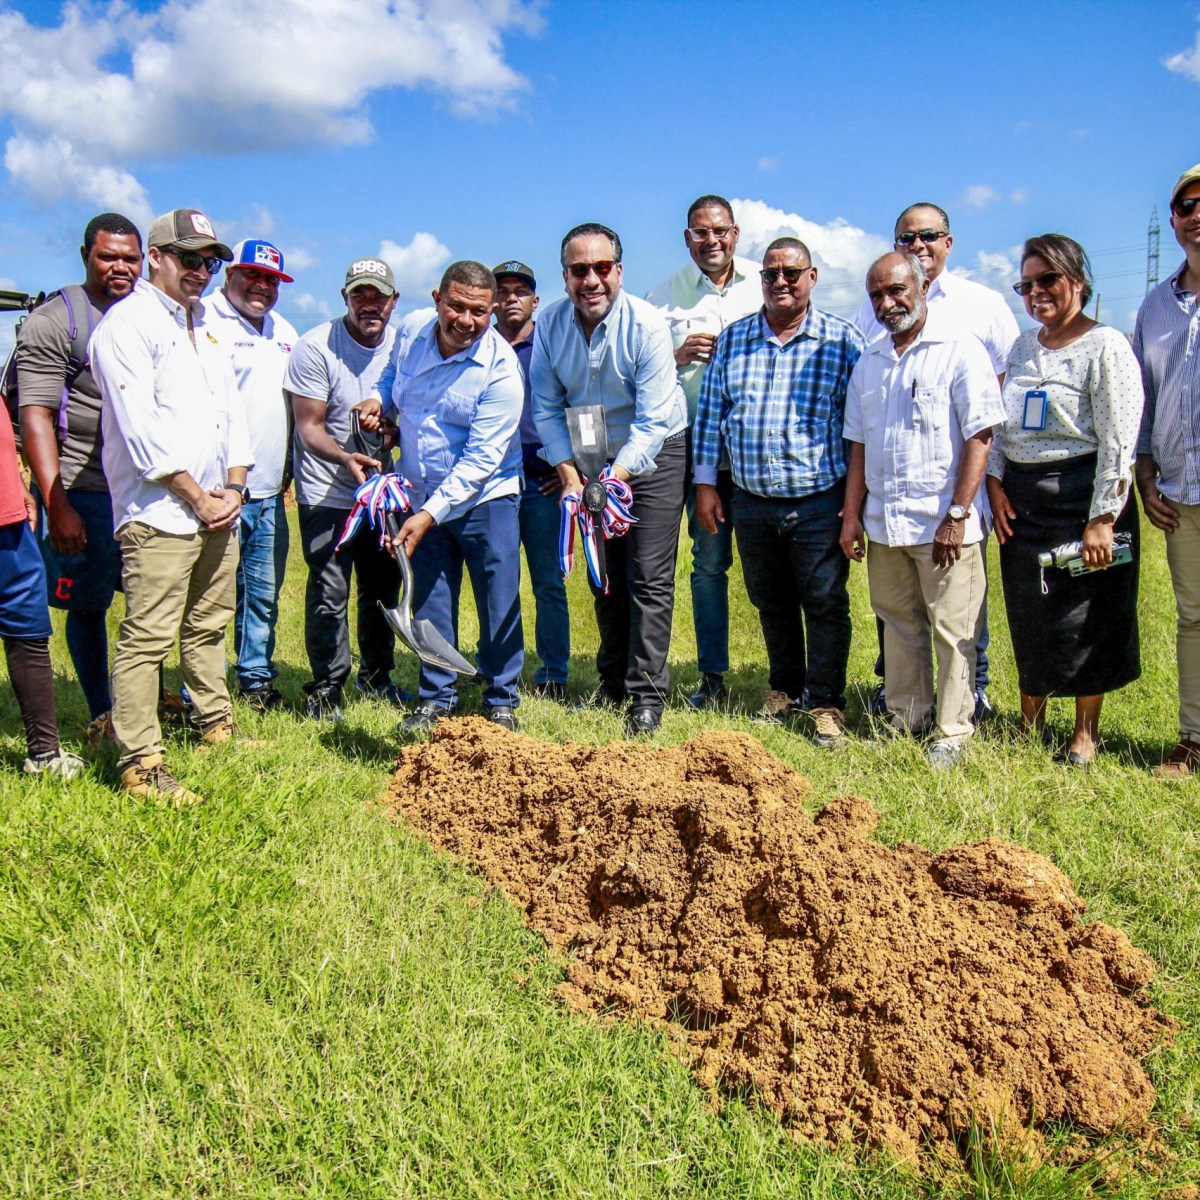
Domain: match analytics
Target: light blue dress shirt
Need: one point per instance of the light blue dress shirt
(457, 417)
(628, 367)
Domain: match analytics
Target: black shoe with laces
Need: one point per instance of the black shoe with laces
(710, 692)
(323, 704)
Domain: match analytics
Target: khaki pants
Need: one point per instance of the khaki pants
(175, 584)
(1183, 557)
(919, 603)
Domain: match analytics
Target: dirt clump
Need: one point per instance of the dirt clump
(890, 997)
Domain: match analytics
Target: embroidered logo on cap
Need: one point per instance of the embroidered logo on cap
(368, 266)
(201, 225)
(267, 256)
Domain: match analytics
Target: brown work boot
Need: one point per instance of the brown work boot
(778, 706)
(148, 778)
(224, 731)
(100, 729)
(830, 727)
(1181, 763)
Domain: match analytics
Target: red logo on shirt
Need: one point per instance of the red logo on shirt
(63, 590)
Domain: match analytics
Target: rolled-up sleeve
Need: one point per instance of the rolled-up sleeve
(549, 398)
(657, 400)
(493, 426)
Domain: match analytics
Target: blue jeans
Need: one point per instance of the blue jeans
(552, 623)
(487, 541)
(796, 576)
(263, 530)
(712, 556)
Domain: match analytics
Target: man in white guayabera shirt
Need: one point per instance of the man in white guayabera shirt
(176, 453)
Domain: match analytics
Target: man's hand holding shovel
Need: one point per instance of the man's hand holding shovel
(409, 535)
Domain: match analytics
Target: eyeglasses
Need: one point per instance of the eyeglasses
(1185, 208)
(189, 260)
(1046, 280)
(583, 270)
(790, 274)
(720, 232)
(928, 236)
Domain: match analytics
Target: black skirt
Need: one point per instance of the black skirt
(1080, 637)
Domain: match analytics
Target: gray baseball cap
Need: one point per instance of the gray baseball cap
(189, 229)
(1191, 175)
(373, 271)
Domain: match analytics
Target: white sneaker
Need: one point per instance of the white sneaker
(62, 764)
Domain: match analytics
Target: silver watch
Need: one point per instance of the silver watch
(958, 513)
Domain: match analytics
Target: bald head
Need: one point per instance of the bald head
(896, 287)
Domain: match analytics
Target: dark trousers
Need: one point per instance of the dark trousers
(796, 576)
(635, 617)
(327, 597)
(487, 540)
(32, 680)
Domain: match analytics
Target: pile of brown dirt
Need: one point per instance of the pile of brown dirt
(888, 997)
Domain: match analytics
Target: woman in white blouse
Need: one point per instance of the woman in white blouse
(1059, 472)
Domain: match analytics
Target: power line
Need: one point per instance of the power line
(1152, 251)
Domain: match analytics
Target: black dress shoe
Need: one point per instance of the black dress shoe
(425, 716)
(710, 693)
(642, 722)
(600, 698)
(503, 715)
(551, 691)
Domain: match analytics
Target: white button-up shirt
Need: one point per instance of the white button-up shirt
(169, 406)
(982, 312)
(913, 415)
(457, 418)
(259, 363)
(692, 303)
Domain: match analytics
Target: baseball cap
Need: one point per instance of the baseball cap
(1191, 175)
(373, 271)
(264, 256)
(518, 270)
(189, 229)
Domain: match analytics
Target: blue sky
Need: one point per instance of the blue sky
(426, 130)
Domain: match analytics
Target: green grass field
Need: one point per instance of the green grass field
(279, 994)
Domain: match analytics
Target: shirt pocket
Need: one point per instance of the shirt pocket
(934, 450)
(456, 408)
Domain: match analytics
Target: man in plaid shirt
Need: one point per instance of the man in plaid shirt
(773, 399)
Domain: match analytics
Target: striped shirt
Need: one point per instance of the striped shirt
(776, 409)
(1166, 340)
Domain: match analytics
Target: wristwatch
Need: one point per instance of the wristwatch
(958, 513)
(242, 491)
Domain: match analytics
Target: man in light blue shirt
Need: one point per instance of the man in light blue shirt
(455, 391)
(601, 346)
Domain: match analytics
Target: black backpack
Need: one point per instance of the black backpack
(74, 298)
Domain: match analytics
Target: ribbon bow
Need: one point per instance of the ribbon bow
(379, 494)
(616, 519)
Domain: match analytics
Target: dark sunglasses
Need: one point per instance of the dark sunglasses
(190, 260)
(928, 236)
(1185, 208)
(790, 274)
(1046, 280)
(583, 270)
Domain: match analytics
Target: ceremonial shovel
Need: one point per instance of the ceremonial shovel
(419, 635)
(589, 447)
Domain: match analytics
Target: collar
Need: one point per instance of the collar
(176, 311)
(619, 302)
(813, 326)
(221, 303)
(520, 345)
(1181, 294)
(740, 274)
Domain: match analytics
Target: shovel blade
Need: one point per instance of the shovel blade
(425, 641)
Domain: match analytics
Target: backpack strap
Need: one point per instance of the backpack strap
(75, 297)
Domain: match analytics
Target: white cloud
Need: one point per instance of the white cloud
(298, 260)
(767, 163)
(417, 266)
(215, 76)
(1186, 62)
(842, 252)
(997, 269)
(979, 196)
(308, 305)
(1019, 195)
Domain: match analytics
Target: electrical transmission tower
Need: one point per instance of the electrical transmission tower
(1152, 251)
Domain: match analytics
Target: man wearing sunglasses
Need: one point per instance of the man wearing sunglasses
(1168, 452)
(701, 300)
(260, 341)
(176, 453)
(602, 346)
(923, 230)
(772, 401)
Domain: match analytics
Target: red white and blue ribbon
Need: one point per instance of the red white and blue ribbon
(378, 495)
(616, 518)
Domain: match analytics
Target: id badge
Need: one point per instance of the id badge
(1035, 409)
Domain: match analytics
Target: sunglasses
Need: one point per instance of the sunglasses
(189, 260)
(720, 232)
(583, 270)
(790, 274)
(1185, 208)
(1046, 280)
(928, 236)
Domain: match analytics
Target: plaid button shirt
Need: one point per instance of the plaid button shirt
(777, 409)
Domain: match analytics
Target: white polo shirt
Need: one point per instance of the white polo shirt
(169, 406)
(981, 310)
(259, 363)
(913, 414)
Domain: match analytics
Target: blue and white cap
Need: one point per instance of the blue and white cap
(265, 256)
